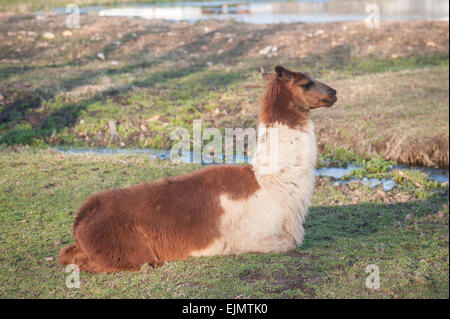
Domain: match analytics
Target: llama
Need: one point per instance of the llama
(217, 210)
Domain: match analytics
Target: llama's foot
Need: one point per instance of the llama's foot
(149, 267)
(276, 244)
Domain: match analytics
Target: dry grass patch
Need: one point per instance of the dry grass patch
(402, 116)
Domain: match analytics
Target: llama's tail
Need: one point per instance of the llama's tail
(67, 255)
(73, 254)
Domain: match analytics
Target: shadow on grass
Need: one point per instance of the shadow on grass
(23, 126)
(64, 117)
(325, 224)
(20, 123)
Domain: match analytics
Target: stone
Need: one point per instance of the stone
(112, 128)
(48, 35)
(267, 50)
(101, 56)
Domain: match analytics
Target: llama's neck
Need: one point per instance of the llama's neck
(287, 170)
(284, 152)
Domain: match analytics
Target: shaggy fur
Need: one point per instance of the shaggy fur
(214, 211)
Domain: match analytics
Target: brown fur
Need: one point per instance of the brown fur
(287, 102)
(153, 223)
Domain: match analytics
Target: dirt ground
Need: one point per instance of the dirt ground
(43, 65)
(205, 39)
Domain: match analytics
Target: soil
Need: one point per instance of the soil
(196, 41)
(31, 41)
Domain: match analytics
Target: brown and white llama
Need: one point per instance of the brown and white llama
(217, 210)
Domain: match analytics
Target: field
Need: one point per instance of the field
(392, 82)
(348, 228)
(64, 87)
(23, 6)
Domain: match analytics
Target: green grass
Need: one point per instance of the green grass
(415, 181)
(372, 64)
(348, 228)
(24, 6)
(337, 156)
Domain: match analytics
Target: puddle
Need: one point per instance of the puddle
(336, 172)
(152, 153)
(386, 184)
(339, 172)
(272, 11)
(435, 174)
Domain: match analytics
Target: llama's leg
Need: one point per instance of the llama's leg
(276, 244)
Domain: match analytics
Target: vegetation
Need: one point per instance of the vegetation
(24, 6)
(119, 82)
(348, 228)
(373, 168)
(416, 181)
(385, 104)
(338, 156)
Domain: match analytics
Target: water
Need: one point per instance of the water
(152, 153)
(336, 172)
(435, 174)
(339, 172)
(273, 11)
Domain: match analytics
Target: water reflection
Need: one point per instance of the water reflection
(283, 11)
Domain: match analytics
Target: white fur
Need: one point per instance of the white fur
(271, 219)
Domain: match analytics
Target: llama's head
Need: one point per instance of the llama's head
(291, 95)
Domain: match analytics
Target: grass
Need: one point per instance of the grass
(373, 64)
(57, 92)
(177, 98)
(348, 228)
(393, 89)
(398, 116)
(415, 181)
(24, 6)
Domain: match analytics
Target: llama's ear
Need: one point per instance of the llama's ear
(268, 76)
(282, 73)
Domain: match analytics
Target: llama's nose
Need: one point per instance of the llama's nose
(332, 92)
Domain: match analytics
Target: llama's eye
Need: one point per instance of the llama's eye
(307, 85)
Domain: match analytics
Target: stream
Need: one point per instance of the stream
(435, 174)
